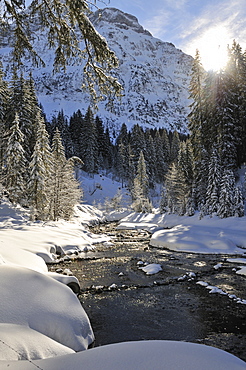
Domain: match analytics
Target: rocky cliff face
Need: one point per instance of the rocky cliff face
(154, 74)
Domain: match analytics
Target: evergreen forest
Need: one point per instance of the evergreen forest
(197, 171)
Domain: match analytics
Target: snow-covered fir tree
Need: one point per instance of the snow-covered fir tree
(177, 191)
(151, 160)
(65, 192)
(230, 200)
(137, 143)
(4, 99)
(140, 190)
(175, 145)
(15, 165)
(213, 185)
(163, 206)
(40, 173)
(161, 164)
(239, 204)
(123, 162)
(22, 102)
(88, 143)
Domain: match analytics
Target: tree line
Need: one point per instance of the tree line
(34, 171)
(137, 158)
(205, 174)
(197, 171)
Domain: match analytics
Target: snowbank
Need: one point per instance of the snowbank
(19, 342)
(143, 355)
(31, 299)
(242, 261)
(31, 244)
(41, 314)
(190, 234)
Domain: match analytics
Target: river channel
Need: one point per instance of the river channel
(125, 304)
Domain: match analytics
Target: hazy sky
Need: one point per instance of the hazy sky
(190, 24)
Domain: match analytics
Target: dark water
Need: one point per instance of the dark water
(168, 305)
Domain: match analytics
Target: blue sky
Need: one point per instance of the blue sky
(190, 24)
(207, 25)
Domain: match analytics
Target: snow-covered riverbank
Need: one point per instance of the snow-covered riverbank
(41, 318)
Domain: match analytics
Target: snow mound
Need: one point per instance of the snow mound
(143, 355)
(19, 342)
(33, 299)
(151, 269)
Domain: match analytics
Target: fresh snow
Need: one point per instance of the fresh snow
(20, 342)
(143, 355)
(190, 234)
(37, 304)
(151, 268)
(34, 300)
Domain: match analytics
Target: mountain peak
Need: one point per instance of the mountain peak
(154, 74)
(119, 19)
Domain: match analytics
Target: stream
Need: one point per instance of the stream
(125, 304)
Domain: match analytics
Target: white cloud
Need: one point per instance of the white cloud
(227, 14)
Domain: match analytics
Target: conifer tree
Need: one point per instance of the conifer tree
(123, 136)
(76, 122)
(226, 205)
(236, 70)
(15, 181)
(137, 143)
(123, 162)
(131, 168)
(88, 144)
(151, 160)
(163, 201)
(161, 165)
(141, 202)
(4, 98)
(213, 187)
(103, 144)
(22, 102)
(61, 123)
(175, 145)
(64, 189)
(196, 116)
(166, 146)
(239, 205)
(224, 120)
(40, 173)
(110, 155)
(176, 190)
(201, 181)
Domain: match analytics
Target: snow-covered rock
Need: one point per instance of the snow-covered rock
(151, 268)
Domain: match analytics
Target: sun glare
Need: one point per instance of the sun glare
(212, 46)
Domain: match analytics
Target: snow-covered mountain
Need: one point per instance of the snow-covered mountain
(154, 74)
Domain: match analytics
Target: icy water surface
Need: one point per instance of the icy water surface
(125, 304)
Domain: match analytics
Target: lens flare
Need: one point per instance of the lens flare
(212, 45)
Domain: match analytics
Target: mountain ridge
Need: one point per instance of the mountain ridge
(154, 74)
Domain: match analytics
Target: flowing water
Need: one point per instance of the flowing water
(125, 304)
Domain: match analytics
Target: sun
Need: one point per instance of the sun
(212, 46)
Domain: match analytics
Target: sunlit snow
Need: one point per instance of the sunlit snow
(36, 305)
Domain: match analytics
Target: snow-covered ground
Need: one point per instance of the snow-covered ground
(41, 317)
(190, 234)
(144, 355)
